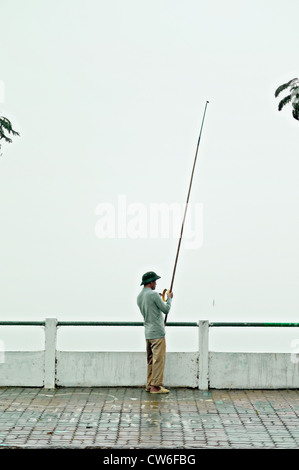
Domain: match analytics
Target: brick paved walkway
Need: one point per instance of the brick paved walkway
(114, 418)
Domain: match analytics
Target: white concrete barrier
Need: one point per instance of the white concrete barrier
(77, 369)
(252, 370)
(23, 368)
(201, 369)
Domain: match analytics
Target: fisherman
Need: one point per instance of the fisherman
(151, 307)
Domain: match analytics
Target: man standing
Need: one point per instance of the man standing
(151, 307)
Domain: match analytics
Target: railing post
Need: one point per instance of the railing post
(203, 349)
(50, 352)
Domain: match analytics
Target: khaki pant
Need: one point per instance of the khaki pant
(155, 352)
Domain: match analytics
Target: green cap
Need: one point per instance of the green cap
(149, 277)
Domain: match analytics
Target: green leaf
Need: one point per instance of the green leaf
(296, 111)
(283, 102)
(284, 86)
(5, 126)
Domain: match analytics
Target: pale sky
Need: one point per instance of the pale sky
(108, 97)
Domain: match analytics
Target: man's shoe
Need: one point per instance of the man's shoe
(160, 390)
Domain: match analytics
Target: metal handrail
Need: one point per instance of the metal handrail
(22, 323)
(122, 323)
(253, 324)
(89, 323)
(117, 323)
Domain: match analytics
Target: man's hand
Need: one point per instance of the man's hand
(169, 294)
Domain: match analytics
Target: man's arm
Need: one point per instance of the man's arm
(164, 307)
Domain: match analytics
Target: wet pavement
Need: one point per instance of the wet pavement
(131, 418)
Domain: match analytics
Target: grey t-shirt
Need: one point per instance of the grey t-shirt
(151, 307)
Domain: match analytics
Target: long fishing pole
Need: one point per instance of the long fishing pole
(185, 212)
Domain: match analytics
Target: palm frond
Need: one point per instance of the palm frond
(284, 101)
(295, 114)
(294, 88)
(3, 136)
(14, 132)
(295, 110)
(7, 139)
(284, 86)
(6, 124)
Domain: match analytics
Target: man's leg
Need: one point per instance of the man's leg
(149, 358)
(158, 347)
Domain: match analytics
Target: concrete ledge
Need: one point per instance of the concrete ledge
(76, 369)
(181, 369)
(22, 368)
(227, 370)
(253, 370)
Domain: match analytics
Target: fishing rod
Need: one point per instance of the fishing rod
(166, 291)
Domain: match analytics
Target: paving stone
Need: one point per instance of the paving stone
(129, 417)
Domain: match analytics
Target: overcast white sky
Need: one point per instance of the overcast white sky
(108, 97)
